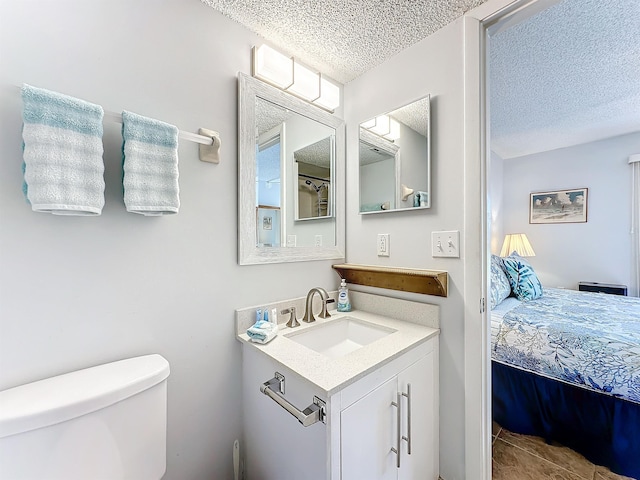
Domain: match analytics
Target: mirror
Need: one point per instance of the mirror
(395, 160)
(284, 143)
(313, 165)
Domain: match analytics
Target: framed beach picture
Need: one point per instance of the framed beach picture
(559, 206)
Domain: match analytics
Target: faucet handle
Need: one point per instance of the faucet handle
(293, 319)
(324, 313)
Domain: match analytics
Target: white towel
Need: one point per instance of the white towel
(150, 165)
(63, 166)
(262, 331)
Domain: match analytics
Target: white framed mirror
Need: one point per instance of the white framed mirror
(395, 160)
(283, 142)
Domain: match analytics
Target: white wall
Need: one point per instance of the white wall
(437, 66)
(596, 251)
(413, 162)
(377, 182)
(76, 292)
(495, 186)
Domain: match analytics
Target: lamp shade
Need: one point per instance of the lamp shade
(517, 242)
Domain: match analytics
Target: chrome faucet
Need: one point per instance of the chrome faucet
(308, 311)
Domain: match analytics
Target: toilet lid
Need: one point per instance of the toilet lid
(61, 398)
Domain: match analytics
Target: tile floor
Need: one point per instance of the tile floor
(522, 457)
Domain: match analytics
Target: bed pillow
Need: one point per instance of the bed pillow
(500, 286)
(524, 281)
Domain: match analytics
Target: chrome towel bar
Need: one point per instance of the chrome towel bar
(314, 413)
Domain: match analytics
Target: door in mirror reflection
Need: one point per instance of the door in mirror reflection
(395, 160)
(294, 168)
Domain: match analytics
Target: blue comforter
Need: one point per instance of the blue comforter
(582, 338)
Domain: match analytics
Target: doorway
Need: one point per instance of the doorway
(492, 29)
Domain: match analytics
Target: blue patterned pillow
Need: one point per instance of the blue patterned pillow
(500, 287)
(524, 281)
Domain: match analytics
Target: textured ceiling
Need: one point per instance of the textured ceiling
(415, 115)
(318, 154)
(345, 38)
(269, 115)
(566, 76)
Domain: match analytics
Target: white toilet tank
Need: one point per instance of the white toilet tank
(106, 422)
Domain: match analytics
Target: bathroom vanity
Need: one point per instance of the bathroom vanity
(365, 383)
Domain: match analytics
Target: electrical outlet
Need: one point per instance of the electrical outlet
(445, 244)
(383, 245)
(291, 240)
(318, 240)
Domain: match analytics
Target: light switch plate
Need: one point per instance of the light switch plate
(383, 245)
(445, 244)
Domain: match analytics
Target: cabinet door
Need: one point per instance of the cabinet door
(422, 463)
(368, 432)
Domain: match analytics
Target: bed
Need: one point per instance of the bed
(566, 367)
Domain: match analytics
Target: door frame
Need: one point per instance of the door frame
(481, 22)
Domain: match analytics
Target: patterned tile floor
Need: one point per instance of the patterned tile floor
(522, 457)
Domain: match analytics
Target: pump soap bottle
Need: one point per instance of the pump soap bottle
(344, 305)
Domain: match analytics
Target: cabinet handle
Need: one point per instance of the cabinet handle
(408, 437)
(398, 405)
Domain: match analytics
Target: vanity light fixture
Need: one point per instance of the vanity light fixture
(272, 67)
(329, 95)
(383, 126)
(306, 83)
(285, 73)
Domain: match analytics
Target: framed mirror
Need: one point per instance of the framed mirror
(395, 160)
(284, 143)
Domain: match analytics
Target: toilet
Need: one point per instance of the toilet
(107, 422)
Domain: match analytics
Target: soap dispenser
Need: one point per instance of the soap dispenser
(344, 305)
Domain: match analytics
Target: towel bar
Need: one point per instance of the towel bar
(203, 139)
(314, 413)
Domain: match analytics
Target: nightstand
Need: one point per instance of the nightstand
(611, 288)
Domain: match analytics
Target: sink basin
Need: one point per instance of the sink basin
(340, 337)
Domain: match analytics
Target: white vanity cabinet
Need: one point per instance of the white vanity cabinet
(390, 433)
(361, 426)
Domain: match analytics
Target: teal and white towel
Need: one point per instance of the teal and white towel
(62, 153)
(262, 331)
(150, 165)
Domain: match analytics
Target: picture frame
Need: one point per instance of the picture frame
(559, 206)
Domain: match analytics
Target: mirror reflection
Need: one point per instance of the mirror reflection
(294, 164)
(394, 158)
(313, 165)
(283, 142)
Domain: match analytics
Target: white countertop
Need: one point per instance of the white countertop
(333, 374)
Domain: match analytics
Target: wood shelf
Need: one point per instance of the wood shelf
(429, 282)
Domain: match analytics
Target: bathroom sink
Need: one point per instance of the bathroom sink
(339, 337)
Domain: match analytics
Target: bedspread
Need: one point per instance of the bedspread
(582, 338)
